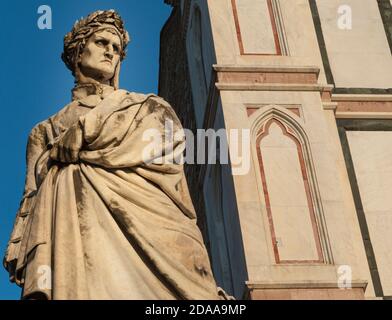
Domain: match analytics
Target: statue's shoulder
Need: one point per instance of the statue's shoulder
(150, 100)
(142, 97)
(39, 130)
(161, 107)
(159, 100)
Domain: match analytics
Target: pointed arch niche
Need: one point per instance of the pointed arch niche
(288, 188)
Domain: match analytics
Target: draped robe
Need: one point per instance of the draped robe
(112, 225)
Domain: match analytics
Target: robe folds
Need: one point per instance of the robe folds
(112, 225)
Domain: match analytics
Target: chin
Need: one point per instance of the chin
(105, 68)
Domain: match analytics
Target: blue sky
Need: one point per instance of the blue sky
(35, 83)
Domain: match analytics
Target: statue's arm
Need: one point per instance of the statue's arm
(36, 146)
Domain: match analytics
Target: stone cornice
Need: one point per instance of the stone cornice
(270, 87)
(268, 78)
(269, 69)
(361, 97)
(301, 285)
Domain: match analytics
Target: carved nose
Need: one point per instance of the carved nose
(109, 55)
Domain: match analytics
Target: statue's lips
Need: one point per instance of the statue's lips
(107, 61)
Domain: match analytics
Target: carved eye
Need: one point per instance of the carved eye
(116, 49)
(100, 43)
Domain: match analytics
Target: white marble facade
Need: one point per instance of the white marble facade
(371, 152)
(359, 58)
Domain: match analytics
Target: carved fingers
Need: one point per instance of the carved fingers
(67, 148)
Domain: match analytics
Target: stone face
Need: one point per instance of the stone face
(101, 218)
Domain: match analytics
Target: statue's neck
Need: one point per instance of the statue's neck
(86, 86)
(83, 90)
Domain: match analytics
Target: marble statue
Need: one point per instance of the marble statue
(96, 219)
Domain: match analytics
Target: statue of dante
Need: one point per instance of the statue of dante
(97, 219)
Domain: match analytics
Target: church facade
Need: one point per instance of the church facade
(301, 94)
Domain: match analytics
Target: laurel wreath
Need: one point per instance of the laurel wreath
(76, 39)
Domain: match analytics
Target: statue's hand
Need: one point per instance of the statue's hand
(67, 148)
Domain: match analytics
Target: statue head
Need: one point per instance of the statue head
(95, 47)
